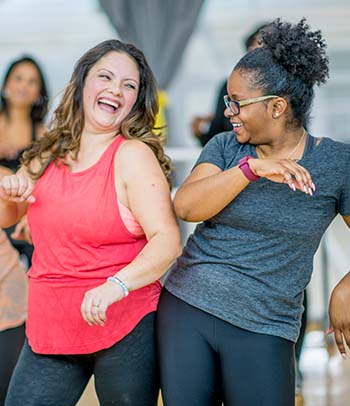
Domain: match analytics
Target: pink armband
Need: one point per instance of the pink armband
(245, 168)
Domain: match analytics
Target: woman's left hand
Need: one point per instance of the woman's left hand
(97, 300)
(22, 231)
(339, 314)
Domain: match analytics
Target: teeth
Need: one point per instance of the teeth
(109, 103)
(236, 125)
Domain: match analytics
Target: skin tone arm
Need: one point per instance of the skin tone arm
(191, 200)
(143, 188)
(339, 310)
(15, 195)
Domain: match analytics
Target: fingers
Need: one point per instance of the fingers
(19, 232)
(346, 337)
(93, 309)
(340, 343)
(298, 177)
(17, 188)
(22, 232)
(93, 313)
(97, 300)
(286, 171)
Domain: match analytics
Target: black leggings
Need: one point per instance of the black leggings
(205, 361)
(125, 374)
(11, 343)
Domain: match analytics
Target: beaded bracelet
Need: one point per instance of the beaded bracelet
(114, 279)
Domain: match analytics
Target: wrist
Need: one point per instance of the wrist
(120, 284)
(245, 166)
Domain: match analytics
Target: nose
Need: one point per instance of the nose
(228, 113)
(115, 89)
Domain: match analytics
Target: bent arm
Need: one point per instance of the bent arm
(146, 193)
(10, 212)
(339, 310)
(207, 190)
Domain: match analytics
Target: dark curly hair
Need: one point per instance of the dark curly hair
(65, 129)
(39, 108)
(292, 60)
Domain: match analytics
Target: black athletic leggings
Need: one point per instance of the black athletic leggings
(11, 343)
(205, 361)
(125, 374)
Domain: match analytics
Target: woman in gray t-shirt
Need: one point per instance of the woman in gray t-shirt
(264, 195)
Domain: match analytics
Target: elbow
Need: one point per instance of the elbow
(188, 214)
(189, 210)
(182, 211)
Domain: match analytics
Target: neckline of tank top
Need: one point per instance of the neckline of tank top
(90, 168)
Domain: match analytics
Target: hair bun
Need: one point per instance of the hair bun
(300, 51)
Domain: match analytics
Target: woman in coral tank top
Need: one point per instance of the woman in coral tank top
(98, 202)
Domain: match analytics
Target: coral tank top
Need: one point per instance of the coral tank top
(80, 239)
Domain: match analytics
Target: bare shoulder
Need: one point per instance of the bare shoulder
(136, 160)
(135, 154)
(132, 148)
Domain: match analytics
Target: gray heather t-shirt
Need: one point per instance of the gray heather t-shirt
(250, 264)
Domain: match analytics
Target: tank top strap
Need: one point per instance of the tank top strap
(107, 159)
(310, 144)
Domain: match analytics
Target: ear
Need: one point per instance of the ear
(279, 107)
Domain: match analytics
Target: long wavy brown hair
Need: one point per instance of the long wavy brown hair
(65, 129)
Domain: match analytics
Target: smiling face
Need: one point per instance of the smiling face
(110, 92)
(254, 120)
(23, 85)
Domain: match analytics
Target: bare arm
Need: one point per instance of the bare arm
(148, 198)
(208, 189)
(142, 187)
(339, 310)
(15, 195)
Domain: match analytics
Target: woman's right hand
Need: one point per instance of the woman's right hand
(17, 188)
(284, 171)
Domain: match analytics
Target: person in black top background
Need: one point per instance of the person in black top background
(23, 106)
(205, 127)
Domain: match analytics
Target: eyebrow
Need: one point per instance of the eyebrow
(107, 70)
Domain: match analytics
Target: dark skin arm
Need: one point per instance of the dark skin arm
(339, 311)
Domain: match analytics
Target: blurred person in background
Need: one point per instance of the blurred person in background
(13, 307)
(205, 127)
(23, 106)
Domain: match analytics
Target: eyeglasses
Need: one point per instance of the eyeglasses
(235, 105)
